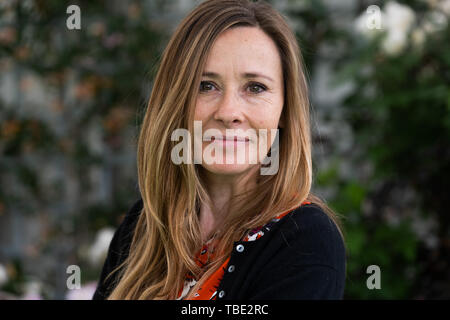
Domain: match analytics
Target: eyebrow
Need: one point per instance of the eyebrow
(245, 75)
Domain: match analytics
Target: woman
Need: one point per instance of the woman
(225, 229)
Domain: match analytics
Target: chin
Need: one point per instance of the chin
(227, 169)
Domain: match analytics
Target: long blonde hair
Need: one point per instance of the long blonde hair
(167, 235)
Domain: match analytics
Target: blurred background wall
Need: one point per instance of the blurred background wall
(71, 102)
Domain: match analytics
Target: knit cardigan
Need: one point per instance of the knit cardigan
(301, 257)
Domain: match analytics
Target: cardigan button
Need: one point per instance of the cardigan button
(240, 248)
(221, 294)
(231, 268)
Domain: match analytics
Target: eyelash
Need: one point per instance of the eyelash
(263, 87)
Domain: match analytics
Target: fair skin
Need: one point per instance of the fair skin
(228, 99)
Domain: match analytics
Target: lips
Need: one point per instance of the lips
(232, 138)
(235, 139)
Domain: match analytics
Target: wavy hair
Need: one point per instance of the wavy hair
(167, 234)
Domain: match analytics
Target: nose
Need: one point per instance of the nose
(229, 110)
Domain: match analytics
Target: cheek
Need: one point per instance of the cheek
(267, 115)
(268, 120)
(200, 112)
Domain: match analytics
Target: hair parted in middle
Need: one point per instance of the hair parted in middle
(167, 234)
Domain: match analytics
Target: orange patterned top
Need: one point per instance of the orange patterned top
(208, 290)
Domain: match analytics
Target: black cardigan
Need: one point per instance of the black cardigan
(301, 257)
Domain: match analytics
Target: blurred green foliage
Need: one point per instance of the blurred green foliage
(97, 77)
(398, 107)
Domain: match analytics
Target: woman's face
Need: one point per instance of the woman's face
(241, 88)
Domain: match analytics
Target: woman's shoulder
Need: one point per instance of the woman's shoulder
(304, 258)
(132, 215)
(124, 232)
(312, 217)
(134, 211)
(118, 250)
(312, 233)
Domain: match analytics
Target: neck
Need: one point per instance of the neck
(221, 189)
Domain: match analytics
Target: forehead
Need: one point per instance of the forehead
(244, 48)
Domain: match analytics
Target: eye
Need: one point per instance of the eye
(259, 87)
(206, 86)
(255, 87)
